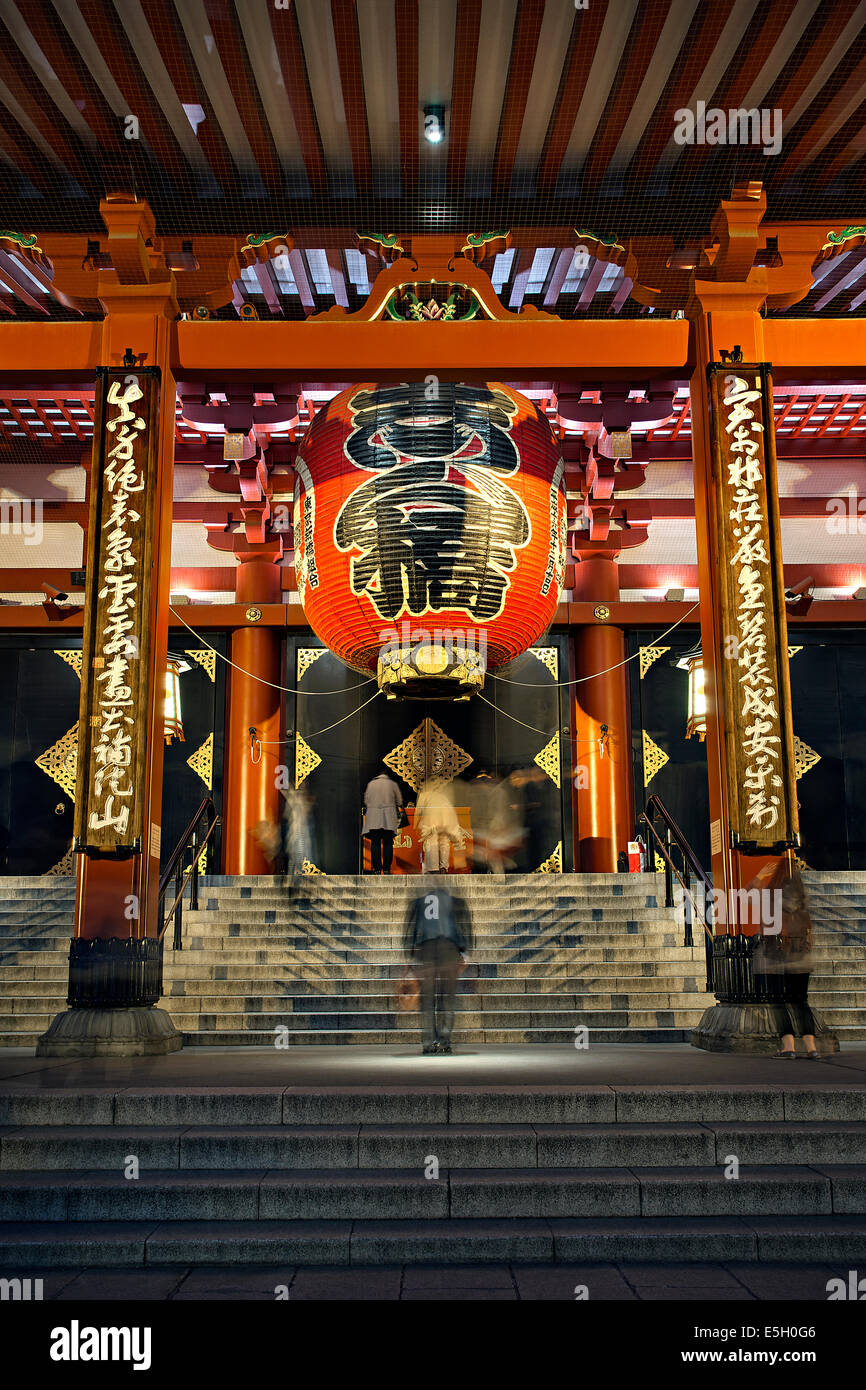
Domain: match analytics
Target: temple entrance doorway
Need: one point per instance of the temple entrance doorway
(345, 733)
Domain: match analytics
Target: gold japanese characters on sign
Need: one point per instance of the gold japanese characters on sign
(115, 663)
(758, 738)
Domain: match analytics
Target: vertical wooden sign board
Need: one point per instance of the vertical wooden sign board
(758, 737)
(112, 735)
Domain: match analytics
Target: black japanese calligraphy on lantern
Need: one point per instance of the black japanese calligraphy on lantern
(437, 527)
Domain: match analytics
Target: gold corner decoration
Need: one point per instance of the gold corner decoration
(792, 651)
(549, 657)
(64, 868)
(308, 867)
(201, 761)
(427, 752)
(306, 759)
(805, 758)
(654, 758)
(60, 761)
(72, 658)
(205, 658)
(660, 863)
(550, 760)
(553, 863)
(647, 655)
(306, 657)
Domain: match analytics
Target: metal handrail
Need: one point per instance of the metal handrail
(672, 839)
(174, 868)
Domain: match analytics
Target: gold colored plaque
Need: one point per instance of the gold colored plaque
(253, 615)
(601, 613)
(117, 639)
(758, 740)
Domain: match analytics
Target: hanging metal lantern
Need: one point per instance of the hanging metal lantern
(173, 717)
(430, 532)
(693, 662)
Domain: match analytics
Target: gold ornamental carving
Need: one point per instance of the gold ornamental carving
(64, 867)
(201, 761)
(427, 752)
(553, 863)
(306, 657)
(253, 615)
(60, 761)
(308, 867)
(206, 659)
(306, 759)
(549, 657)
(72, 658)
(550, 760)
(805, 758)
(654, 758)
(792, 651)
(647, 655)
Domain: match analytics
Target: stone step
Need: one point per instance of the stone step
(377, 1191)
(65, 1245)
(360, 1003)
(834, 1099)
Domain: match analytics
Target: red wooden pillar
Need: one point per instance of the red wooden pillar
(115, 979)
(251, 788)
(729, 318)
(604, 802)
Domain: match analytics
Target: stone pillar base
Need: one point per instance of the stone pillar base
(751, 1028)
(134, 1032)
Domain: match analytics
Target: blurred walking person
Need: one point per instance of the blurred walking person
(438, 934)
(436, 819)
(383, 807)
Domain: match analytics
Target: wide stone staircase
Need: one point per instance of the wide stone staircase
(551, 954)
(320, 964)
(284, 1176)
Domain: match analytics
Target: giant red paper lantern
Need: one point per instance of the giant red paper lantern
(426, 515)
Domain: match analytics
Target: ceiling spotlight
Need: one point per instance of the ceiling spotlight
(675, 595)
(434, 124)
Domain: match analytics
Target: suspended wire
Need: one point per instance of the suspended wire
(581, 679)
(314, 733)
(290, 689)
(514, 717)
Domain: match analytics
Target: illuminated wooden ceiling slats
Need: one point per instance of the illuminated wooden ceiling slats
(710, 45)
(603, 77)
(654, 44)
(325, 98)
(468, 28)
(587, 29)
(293, 75)
(24, 98)
(166, 31)
(348, 48)
(408, 103)
(67, 82)
(524, 52)
(322, 63)
(221, 58)
(378, 63)
(118, 68)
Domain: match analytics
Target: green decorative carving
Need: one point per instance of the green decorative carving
(262, 237)
(388, 247)
(602, 241)
(482, 238)
(404, 305)
(28, 242)
(834, 239)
